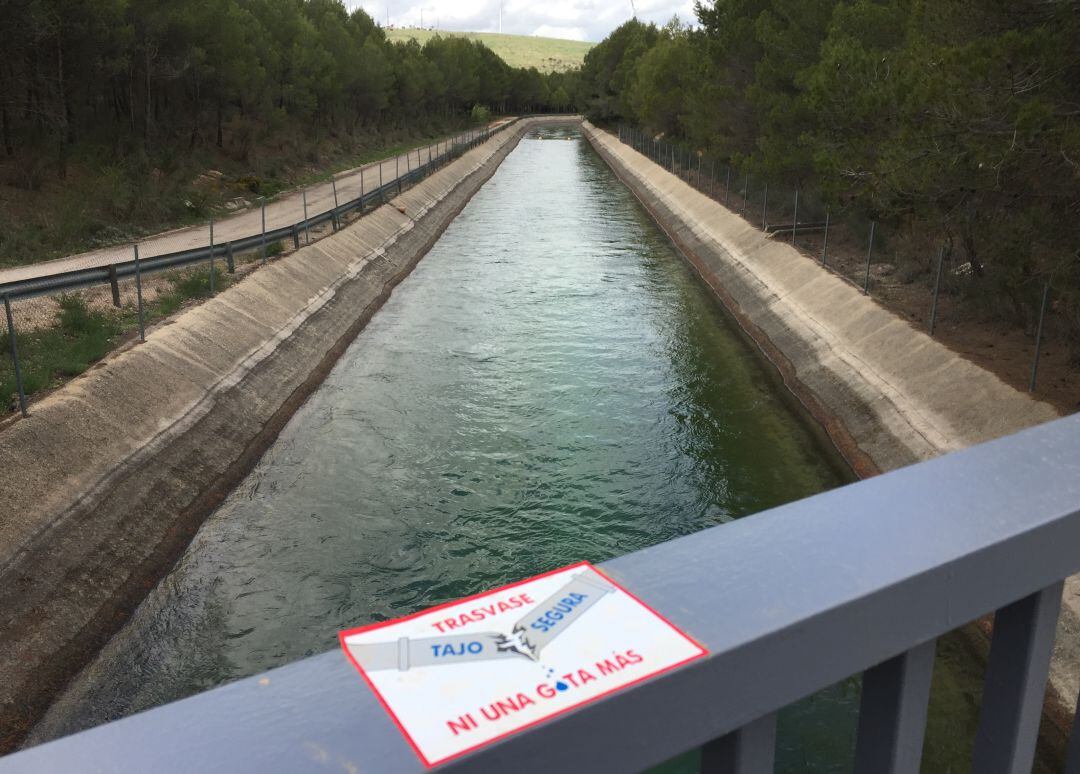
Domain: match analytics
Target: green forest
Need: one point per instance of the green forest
(954, 122)
(109, 109)
(947, 122)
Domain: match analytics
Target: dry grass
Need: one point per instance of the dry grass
(545, 54)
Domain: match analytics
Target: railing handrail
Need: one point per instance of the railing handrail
(787, 602)
(74, 279)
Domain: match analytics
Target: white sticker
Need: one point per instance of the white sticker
(464, 674)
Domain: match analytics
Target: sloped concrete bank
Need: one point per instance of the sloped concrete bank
(887, 394)
(106, 482)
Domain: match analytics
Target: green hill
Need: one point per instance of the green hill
(545, 54)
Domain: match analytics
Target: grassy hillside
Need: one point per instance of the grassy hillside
(545, 54)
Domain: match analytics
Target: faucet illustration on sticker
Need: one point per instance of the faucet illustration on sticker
(463, 674)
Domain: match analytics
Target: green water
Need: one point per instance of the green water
(550, 385)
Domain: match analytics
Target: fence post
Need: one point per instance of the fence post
(213, 269)
(712, 176)
(745, 190)
(869, 252)
(263, 240)
(114, 285)
(382, 190)
(138, 291)
(937, 289)
(765, 207)
(825, 247)
(295, 237)
(15, 355)
(397, 173)
(307, 231)
(230, 265)
(795, 218)
(1038, 336)
(727, 186)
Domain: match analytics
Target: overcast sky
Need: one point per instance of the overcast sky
(573, 19)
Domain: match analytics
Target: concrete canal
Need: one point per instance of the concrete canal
(551, 384)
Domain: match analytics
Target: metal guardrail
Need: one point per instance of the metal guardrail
(111, 274)
(861, 579)
(82, 278)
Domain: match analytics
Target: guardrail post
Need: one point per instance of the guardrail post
(869, 252)
(1038, 336)
(307, 231)
(138, 291)
(262, 243)
(892, 713)
(230, 264)
(825, 247)
(382, 190)
(745, 190)
(15, 356)
(397, 172)
(295, 237)
(937, 288)
(749, 750)
(114, 285)
(795, 218)
(213, 269)
(1016, 682)
(765, 207)
(727, 186)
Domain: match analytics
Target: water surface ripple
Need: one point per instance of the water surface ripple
(551, 384)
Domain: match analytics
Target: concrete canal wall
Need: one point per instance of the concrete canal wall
(887, 393)
(105, 483)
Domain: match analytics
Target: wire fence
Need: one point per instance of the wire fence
(56, 323)
(882, 260)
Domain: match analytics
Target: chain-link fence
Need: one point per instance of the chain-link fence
(914, 272)
(63, 316)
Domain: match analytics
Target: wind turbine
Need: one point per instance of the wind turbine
(500, 16)
(633, 8)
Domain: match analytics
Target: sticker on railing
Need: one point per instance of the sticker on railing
(461, 675)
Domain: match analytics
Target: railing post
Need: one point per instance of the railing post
(230, 264)
(334, 214)
(869, 252)
(361, 190)
(295, 237)
(795, 218)
(825, 247)
(1038, 336)
(892, 713)
(262, 243)
(382, 190)
(114, 285)
(1015, 683)
(213, 269)
(138, 291)
(397, 172)
(307, 231)
(749, 750)
(937, 288)
(15, 355)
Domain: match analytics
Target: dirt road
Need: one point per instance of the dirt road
(285, 210)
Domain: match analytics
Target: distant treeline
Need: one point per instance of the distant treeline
(957, 119)
(139, 74)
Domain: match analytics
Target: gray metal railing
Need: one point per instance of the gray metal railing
(81, 278)
(138, 268)
(861, 579)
